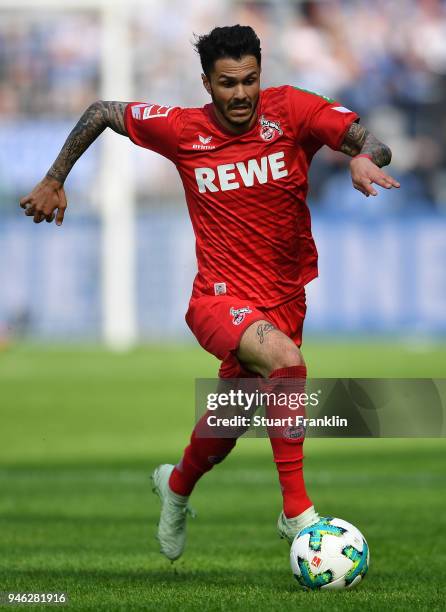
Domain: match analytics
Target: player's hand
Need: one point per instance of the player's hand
(365, 173)
(46, 202)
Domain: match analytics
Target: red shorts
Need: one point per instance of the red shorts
(218, 323)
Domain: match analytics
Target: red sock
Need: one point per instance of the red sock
(199, 457)
(288, 452)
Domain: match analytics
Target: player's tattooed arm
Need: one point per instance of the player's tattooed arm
(359, 141)
(93, 122)
(47, 201)
(373, 155)
(262, 330)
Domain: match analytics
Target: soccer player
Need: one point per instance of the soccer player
(243, 160)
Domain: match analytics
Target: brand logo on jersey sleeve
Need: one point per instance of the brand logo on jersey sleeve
(136, 110)
(269, 129)
(155, 112)
(150, 111)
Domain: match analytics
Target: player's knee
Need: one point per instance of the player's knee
(286, 355)
(265, 349)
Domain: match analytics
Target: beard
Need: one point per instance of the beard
(224, 110)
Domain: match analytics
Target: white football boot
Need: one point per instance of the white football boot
(174, 510)
(288, 528)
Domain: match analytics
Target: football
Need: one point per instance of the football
(330, 554)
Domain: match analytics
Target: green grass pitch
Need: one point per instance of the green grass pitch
(81, 429)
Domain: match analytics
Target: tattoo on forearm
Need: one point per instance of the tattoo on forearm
(379, 152)
(359, 140)
(93, 122)
(354, 139)
(263, 329)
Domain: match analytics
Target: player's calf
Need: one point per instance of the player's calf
(269, 352)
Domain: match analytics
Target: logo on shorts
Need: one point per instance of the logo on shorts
(269, 129)
(239, 314)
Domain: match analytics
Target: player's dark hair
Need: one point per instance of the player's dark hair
(230, 41)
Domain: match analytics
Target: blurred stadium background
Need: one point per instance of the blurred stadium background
(121, 267)
(81, 425)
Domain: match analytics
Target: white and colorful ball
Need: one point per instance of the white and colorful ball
(330, 554)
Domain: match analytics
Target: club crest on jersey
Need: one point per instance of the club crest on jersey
(238, 314)
(269, 129)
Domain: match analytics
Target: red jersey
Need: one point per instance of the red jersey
(246, 193)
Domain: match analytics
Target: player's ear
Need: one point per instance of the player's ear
(206, 84)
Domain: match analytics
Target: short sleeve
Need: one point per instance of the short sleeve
(320, 117)
(154, 127)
